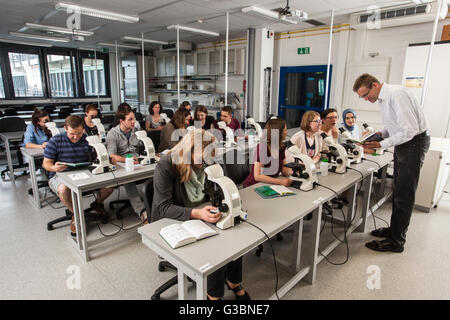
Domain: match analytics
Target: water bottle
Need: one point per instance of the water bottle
(324, 167)
(129, 163)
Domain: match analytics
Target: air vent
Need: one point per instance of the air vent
(184, 46)
(399, 16)
(389, 14)
(314, 22)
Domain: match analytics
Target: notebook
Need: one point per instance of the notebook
(274, 191)
(77, 165)
(181, 234)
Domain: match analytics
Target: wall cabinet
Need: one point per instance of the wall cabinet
(198, 63)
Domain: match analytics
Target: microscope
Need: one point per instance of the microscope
(164, 117)
(305, 175)
(229, 139)
(101, 163)
(100, 129)
(225, 197)
(146, 148)
(337, 155)
(354, 151)
(52, 127)
(371, 134)
(252, 123)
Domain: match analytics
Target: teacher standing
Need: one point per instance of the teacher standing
(406, 129)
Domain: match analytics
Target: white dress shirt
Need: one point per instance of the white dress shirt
(402, 116)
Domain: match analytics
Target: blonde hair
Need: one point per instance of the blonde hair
(181, 153)
(308, 116)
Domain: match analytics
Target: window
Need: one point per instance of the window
(60, 75)
(2, 89)
(94, 77)
(26, 74)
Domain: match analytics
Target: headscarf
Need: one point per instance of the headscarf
(344, 113)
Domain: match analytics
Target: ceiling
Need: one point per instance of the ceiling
(156, 15)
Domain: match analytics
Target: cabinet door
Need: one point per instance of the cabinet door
(202, 63)
(215, 66)
(231, 61)
(161, 69)
(151, 67)
(169, 62)
(239, 61)
(189, 64)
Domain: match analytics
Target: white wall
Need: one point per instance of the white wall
(349, 47)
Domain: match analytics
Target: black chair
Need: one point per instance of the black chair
(62, 114)
(1, 114)
(168, 112)
(10, 112)
(163, 265)
(49, 109)
(156, 138)
(28, 108)
(11, 125)
(67, 109)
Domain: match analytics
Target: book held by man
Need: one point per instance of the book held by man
(274, 191)
(181, 234)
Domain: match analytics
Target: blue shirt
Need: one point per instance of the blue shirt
(31, 136)
(60, 148)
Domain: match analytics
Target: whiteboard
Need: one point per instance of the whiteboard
(437, 103)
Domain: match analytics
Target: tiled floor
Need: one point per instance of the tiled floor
(35, 262)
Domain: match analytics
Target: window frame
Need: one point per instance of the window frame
(23, 50)
(91, 55)
(60, 52)
(76, 64)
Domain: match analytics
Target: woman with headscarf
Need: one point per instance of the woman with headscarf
(349, 124)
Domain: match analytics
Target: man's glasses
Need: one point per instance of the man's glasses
(365, 95)
(332, 118)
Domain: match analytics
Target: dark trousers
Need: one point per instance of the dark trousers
(408, 160)
(216, 281)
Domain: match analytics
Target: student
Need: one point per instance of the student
(121, 141)
(153, 121)
(308, 138)
(186, 105)
(91, 113)
(329, 123)
(349, 124)
(180, 120)
(201, 115)
(37, 135)
(70, 147)
(178, 188)
(270, 157)
(226, 115)
(406, 129)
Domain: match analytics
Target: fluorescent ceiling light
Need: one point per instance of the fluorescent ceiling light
(58, 29)
(119, 45)
(267, 14)
(72, 8)
(133, 39)
(38, 37)
(48, 45)
(195, 30)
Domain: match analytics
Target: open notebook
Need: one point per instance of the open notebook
(181, 234)
(273, 191)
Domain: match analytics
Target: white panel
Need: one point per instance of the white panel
(437, 105)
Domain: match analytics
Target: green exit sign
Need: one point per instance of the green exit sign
(303, 50)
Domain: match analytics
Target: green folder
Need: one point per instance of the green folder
(266, 192)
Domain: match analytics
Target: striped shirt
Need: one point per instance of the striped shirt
(60, 148)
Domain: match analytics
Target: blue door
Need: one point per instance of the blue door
(302, 88)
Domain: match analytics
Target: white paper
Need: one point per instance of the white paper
(78, 176)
